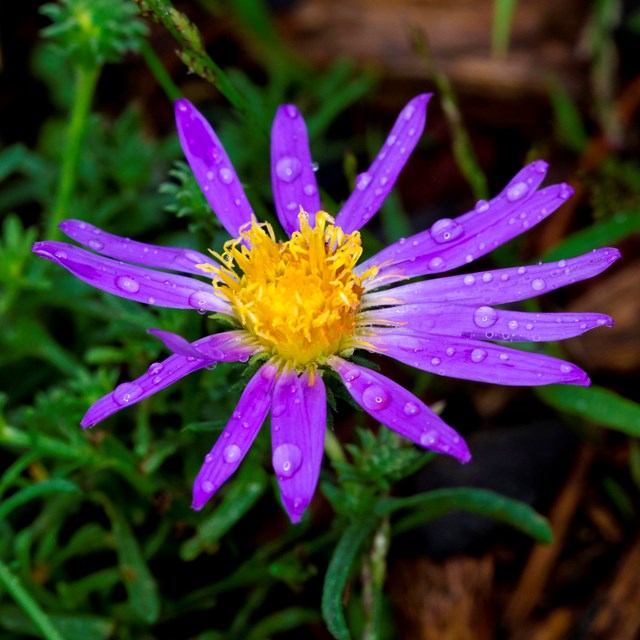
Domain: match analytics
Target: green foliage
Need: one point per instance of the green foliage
(97, 539)
(92, 32)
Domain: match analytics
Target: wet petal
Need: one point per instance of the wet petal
(451, 243)
(298, 423)
(129, 250)
(498, 286)
(470, 359)
(237, 437)
(223, 346)
(212, 168)
(480, 322)
(399, 409)
(373, 186)
(131, 282)
(292, 176)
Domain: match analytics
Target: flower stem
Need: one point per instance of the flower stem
(374, 572)
(155, 66)
(85, 84)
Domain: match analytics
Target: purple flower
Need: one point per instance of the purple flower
(303, 306)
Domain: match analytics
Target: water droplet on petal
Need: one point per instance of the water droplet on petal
(409, 111)
(478, 355)
(231, 453)
(481, 206)
(469, 280)
(446, 230)
(375, 398)
(562, 264)
(124, 283)
(363, 181)
(203, 300)
(485, 316)
(538, 284)
(437, 264)
(517, 191)
(96, 244)
(435, 361)
(60, 254)
(315, 166)
(292, 111)
(126, 393)
(411, 409)
(208, 458)
(287, 459)
(451, 351)
(487, 277)
(288, 168)
(565, 368)
(351, 375)
(226, 175)
(310, 189)
(513, 324)
(429, 438)
(565, 191)
(156, 367)
(504, 357)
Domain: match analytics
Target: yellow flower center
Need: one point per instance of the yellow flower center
(298, 298)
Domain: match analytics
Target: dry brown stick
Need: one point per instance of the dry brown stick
(543, 557)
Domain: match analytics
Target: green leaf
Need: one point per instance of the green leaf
(595, 404)
(338, 570)
(57, 485)
(243, 493)
(138, 580)
(503, 11)
(606, 232)
(432, 505)
(31, 608)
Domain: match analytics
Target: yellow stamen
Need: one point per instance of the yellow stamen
(298, 298)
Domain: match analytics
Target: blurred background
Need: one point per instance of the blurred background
(97, 539)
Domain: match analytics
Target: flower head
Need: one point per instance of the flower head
(304, 304)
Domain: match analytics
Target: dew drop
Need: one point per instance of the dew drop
(351, 375)
(446, 230)
(310, 189)
(126, 393)
(411, 409)
(207, 486)
(409, 111)
(226, 175)
(202, 300)
(481, 205)
(517, 191)
(208, 458)
(538, 284)
(288, 168)
(156, 367)
(565, 191)
(231, 453)
(469, 280)
(391, 140)
(528, 326)
(96, 244)
(436, 264)
(485, 316)
(363, 181)
(60, 254)
(277, 409)
(487, 277)
(565, 368)
(156, 379)
(451, 351)
(315, 166)
(429, 438)
(124, 283)
(292, 111)
(210, 175)
(504, 357)
(562, 264)
(287, 459)
(478, 355)
(435, 361)
(513, 324)
(375, 398)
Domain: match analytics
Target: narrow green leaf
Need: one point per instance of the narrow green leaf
(503, 11)
(138, 580)
(606, 232)
(57, 485)
(568, 120)
(432, 505)
(338, 570)
(243, 493)
(26, 602)
(595, 404)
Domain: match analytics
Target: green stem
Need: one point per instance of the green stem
(24, 599)
(333, 449)
(85, 84)
(155, 66)
(374, 573)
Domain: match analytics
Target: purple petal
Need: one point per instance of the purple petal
(224, 346)
(373, 186)
(135, 283)
(452, 243)
(482, 323)
(499, 286)
(474, 360)
(237, 437)
(212, 168)
(399, 409)
(298, 423)
(149, 255)
(292, 176)
(177, 344)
